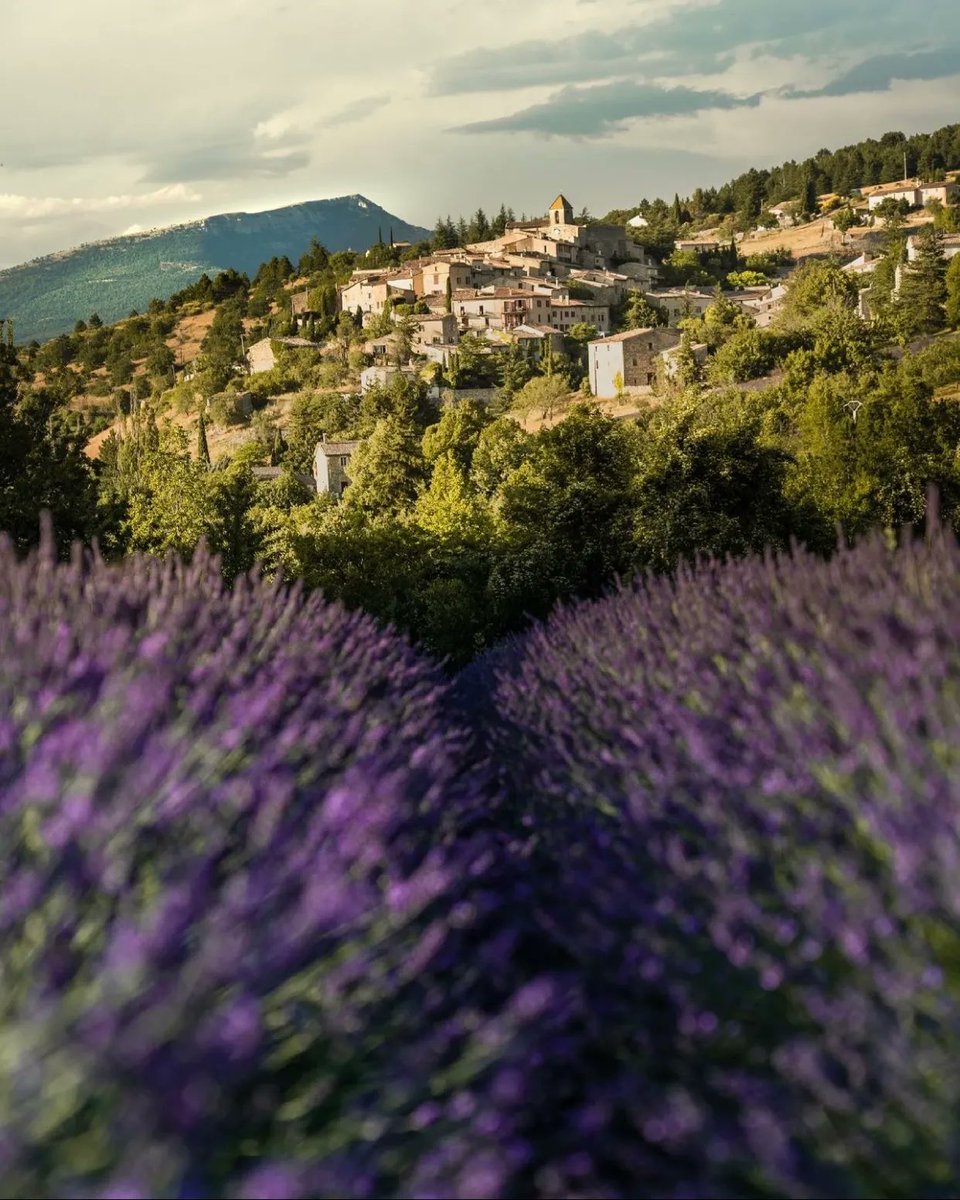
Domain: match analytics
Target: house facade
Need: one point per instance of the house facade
(915, 193)
(331, 467)
(680, 302)
(371, 295)
(564, 314)
(633, 356)
(262, 355)
(435, 329)
(950, 246)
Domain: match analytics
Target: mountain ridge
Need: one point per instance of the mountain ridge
(45, 296)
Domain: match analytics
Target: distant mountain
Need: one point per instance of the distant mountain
(49, 295)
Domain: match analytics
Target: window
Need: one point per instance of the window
(344, 460)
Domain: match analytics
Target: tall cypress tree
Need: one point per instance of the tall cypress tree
(810, 205)
(203, 450)
(448, 296)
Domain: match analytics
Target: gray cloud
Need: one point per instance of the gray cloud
(224, 160)
(878, 74)
(358, 110)
(692, 41)
(592, 111)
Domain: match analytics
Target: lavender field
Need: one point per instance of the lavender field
(658, 899)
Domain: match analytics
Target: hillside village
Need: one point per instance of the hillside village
(456, 432)
(543, 279)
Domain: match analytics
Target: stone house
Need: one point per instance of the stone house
(950, 246)
(915, 193)
(946, 192)
(633, 355)
(331, 466)
(669, 364)
(435, 329)
(431, 278)
(698, 245)
(371, 295)
(680, 302)
(640, 274)
(381, 349)
(262, 355)
(533, 340)
(271, 474)
(564, 314)
(502, 308)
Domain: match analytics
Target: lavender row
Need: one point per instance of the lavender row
(743, 799)
(239, 851)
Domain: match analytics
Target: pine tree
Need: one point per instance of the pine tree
(439, 240)
(499, 225)
(923, 290)
(203, 450)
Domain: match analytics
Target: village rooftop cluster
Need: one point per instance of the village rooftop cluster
(530, 286)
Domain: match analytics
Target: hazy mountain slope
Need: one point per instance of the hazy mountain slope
(47, 296)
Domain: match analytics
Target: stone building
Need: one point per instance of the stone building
(627, 360)
(331, 464)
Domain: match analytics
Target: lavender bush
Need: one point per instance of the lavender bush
(741, 798)
(237, 852)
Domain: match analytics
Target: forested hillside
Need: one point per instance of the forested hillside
(862, 164)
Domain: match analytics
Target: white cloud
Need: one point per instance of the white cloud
(36, 208)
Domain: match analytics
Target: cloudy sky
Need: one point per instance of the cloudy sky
(117, 115)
